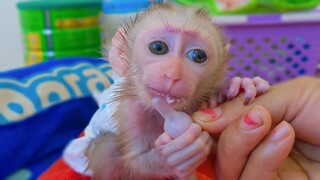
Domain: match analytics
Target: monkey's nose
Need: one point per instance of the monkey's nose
(171, 80)
(173, 71)
(173, 75)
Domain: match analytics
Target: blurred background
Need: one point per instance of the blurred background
(11, 46)
(268, 38)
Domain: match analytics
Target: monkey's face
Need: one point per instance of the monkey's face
(173, 63)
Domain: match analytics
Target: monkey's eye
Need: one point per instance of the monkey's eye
(197, 56)
(158, 47)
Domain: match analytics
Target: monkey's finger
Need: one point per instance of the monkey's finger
(199, 146)
(163, 107)
(249, 90)
(213, 102)
(221, 97)
(187, 168)
(204, 105)
(234, 88)
(182, 141)
(262, 85)
(163, 139)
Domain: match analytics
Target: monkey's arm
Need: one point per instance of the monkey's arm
(74, 154)
(174, 158)
(104, 157)
(106, 161)
(177, 158)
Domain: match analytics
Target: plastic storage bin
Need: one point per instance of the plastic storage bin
(58, 28)
(114, 12)
(251, 6)
(276, 47)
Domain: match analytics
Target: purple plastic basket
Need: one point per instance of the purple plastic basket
(275, 47)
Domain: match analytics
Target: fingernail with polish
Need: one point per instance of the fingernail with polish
(207, 114)
(252, 119)
(280, 132)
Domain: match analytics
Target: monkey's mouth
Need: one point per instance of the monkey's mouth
(169, 98)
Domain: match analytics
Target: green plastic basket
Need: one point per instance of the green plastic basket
(35, 19)
(33, 57)
(63, 39)
(53, 4)
(60, 27)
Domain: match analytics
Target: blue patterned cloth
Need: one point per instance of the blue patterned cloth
(42, 108)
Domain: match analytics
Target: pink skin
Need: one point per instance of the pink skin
(209, 112)
(175, 74)
(172, 73)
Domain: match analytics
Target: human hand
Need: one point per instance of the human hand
(247, 149)
(299, 107)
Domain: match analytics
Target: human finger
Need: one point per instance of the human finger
(268, 157)
(239, 139)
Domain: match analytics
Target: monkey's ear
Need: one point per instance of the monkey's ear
(117, 53)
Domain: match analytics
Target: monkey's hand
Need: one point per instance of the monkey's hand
(185, 153)
(251, 87)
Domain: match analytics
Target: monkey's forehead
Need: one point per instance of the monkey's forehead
(179, 22)
(180, 17)
(188, 18)
(185, 18)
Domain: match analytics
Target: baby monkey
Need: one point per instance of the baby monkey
(170, 54)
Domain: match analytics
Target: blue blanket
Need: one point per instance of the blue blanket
(42, 108)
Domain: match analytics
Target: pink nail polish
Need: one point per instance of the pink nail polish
(252, 120)
(209, 112)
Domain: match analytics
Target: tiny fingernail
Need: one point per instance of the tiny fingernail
(280, 132)
(230, 94)
(260, 92)
(261, 89)
(252, 119)
(247, 100)
(207, 114)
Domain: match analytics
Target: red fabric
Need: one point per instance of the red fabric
(61, 171)
(206, 170)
